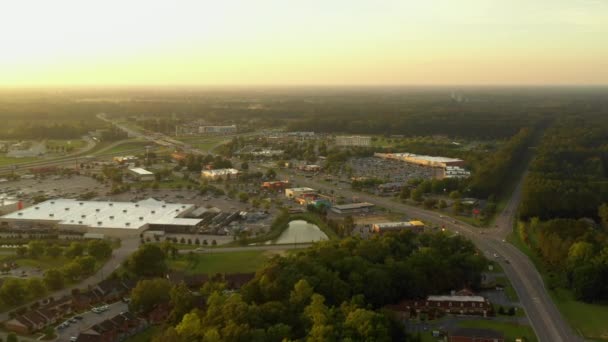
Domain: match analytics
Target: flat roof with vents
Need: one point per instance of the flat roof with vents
(100, 214)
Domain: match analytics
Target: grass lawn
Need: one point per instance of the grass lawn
(212, 263)
(4, 160)
(145, 335)
(44, 262)
(590, 320)
(510, 330)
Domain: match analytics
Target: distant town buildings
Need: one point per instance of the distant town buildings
(353, 140)
(231, 129)
(218, 174)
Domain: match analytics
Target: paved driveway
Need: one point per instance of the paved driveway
(89, 319)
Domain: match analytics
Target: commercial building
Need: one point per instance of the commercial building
(384, 227)
(108, 218)
(140, 174)
(275, 185)
(298, 192)
(422, 159)
(353, 140)
(352, 208)
(218, 174)
(455, 172)
(217, 129)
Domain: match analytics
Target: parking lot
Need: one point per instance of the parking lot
(89, 319)
(390, 170)
(52, 186)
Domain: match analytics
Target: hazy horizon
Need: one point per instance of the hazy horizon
(317, 43)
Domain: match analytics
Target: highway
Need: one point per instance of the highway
(546, 320)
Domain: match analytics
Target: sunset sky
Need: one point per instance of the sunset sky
(292, 42)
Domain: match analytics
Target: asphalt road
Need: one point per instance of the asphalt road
(545, 318)
(89, 319)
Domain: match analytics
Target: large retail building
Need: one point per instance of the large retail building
(104, 217)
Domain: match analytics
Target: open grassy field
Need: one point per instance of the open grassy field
(510, 330)
(4, 160)
(44, 262)
(212, 263)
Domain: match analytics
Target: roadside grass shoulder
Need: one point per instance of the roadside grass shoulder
(510, 330)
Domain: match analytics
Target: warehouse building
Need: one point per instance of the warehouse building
(140, 174)
(118, 219)
(385, 227)
(353, 140)
(218, 174)
(423, 160)
(298, 192)
(352, 208)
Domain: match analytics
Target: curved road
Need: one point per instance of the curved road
(547, 321)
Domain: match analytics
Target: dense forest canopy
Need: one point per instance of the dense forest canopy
(488, 113)
(570, 169)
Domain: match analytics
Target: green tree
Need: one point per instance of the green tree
(455, 194)
(182, 301)
(11, 337)
(405, 193)
(75, 249)
(99, 249)
(417, 194)
(13, 291)
(148, 293)
(190, 327)
(53, 279)
(35, 287)
(271, 174)
(35, 249)
(21, 251)
(54, 251)
(148, 260)
(602, 212)
(86, 264)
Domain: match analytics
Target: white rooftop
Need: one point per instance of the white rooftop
(478, 299)
(220, 172)
(140, 171)
(99, 214)
(420, 157)
(300, 189)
